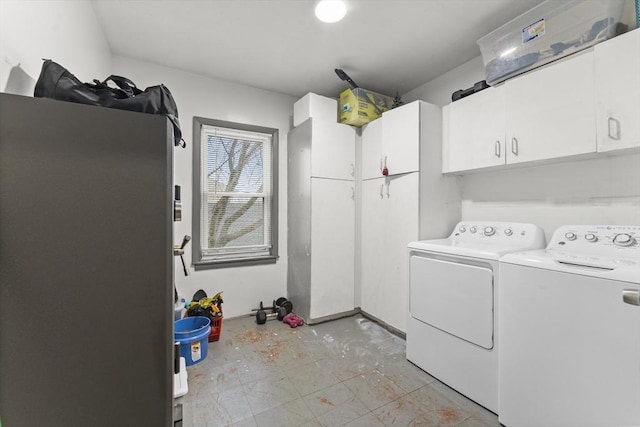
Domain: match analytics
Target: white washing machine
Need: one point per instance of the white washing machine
(452, 325)
(570, 330)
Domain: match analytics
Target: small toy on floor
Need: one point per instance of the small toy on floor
(292, 320)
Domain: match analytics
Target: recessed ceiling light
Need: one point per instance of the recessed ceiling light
(331, 11)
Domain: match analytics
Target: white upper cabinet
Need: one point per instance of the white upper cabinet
(401, 139)
(392, 141)
(476, 135)
(583, 104)
(550, 112)
(333, 150)
(617, 74)
(372, 149)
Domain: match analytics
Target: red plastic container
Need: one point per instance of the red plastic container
(216, 329)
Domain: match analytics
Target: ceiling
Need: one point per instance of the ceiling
(387, 46)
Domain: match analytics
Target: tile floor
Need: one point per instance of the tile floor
(346, 372)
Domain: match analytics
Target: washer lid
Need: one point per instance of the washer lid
(620, 269)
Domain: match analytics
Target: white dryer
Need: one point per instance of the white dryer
(570, 330)
(452, 325)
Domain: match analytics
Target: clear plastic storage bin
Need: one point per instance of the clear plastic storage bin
(549, 31)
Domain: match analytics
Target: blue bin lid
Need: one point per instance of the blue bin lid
(191, 325)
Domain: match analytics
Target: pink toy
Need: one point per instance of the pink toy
(292, 320)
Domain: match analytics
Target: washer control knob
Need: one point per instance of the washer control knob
(570, 236)
(489, 231)
(623, 239)
(591, 237)
(462, 229)
(473, 229)
(508, 232)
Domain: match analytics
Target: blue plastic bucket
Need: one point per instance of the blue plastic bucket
(192, 334)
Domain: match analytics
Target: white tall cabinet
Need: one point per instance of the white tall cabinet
(414, 201)
(321, 219)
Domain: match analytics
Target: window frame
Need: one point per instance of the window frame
(199, 123)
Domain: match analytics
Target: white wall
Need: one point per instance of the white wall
(603, 190)
(438, 91)
(68, 32)
(200, 96)
(65, 31)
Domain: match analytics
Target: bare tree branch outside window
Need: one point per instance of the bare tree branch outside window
(235, 192)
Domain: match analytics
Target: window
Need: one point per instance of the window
(235, 203)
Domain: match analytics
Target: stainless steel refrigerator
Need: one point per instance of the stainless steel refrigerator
(86, 265)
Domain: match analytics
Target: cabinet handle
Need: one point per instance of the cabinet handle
(382, 191)
(514, 145)
(497, 149)
(353, 169)
(353, 193)
(631, 296)
(388, 185)
(385, 171)
(615, 122)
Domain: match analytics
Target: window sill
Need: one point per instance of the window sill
(208, 265)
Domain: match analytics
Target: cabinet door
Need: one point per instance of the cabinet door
(476, 131)
(372, 150)
(551, 111)
(402, 220)
(332, 246)
(333, 148)
(617, 78)
(401, 138)
(374, 226)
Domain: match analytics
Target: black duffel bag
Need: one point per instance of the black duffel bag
(57, 82)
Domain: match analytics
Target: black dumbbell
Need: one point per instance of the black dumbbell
(261, 315)
(278, 311)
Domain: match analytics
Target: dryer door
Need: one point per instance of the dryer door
(454, 297)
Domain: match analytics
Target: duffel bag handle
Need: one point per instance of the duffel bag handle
(124, 84)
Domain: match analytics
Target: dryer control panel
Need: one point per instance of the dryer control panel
(498, 233)
(617, 241)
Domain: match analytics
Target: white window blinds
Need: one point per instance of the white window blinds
(236, 194)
